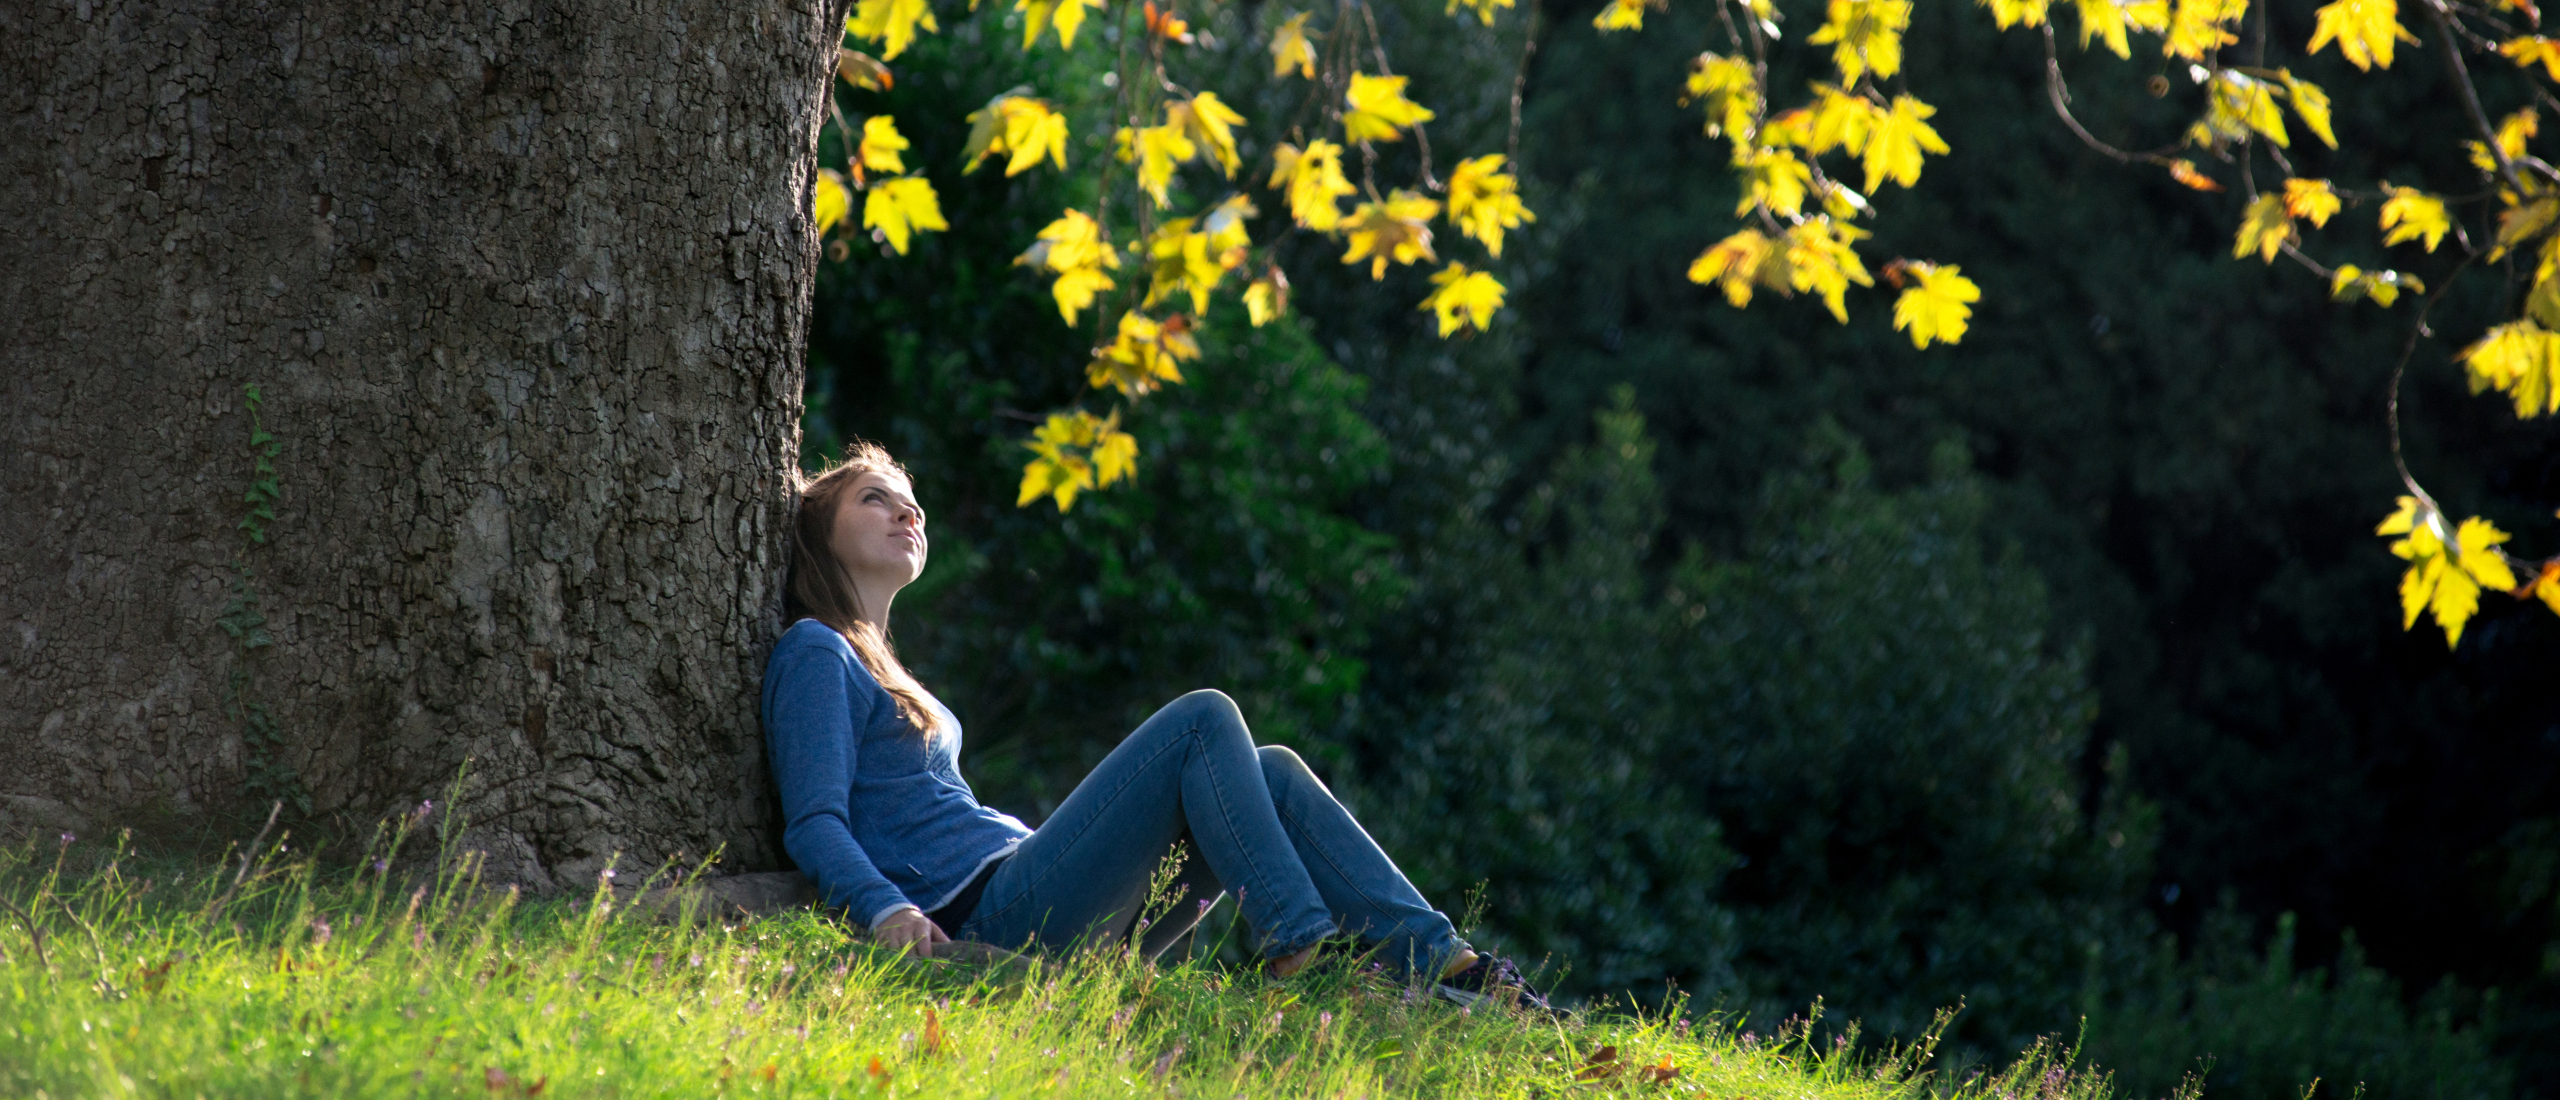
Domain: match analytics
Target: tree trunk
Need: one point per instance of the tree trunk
(524, 286)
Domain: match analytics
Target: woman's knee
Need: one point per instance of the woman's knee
(1282, 766)
(1209, 709)
(1206, 714)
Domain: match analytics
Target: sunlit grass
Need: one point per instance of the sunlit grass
(270, 976)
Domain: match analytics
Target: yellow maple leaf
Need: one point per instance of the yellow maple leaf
(1022, 128)
(1936, 304)
(1482, 8)
(2104, 20)
(902, 206)
(863, 70)
(2531, 48)
(834, 200)
(1143, 355)
(1772, 178)
(2264, 229)
(1227, 226)
(2313, 200)
(1822, 257)
(2350, 282)
(1065, 16)
(1895, 140)
(2365, 31)
(2010, 13)
(1075, 289)
(880, 145)
(1290, 48)
(1072, 452)
(1842, 120)
(891, 21)
(1073, 246)
(1731, 92)
(1210, 123)
(1865, 36)
(1740, 263)
(2516, 129)
(1375, 109)
(1155, 150)
(1074, 240)
(1624, 15)
(1464, 298)
(1182, 258)
(2240, 104)
(2311, 104)
(2520, 359)
(1267, 297)
(1396, 229)
(2445, 576)
(1484, 200)
(1312, 178)
(2521, 222)
(2202, 26)
(1115, 456)
(2410, 214)
(1050, 473)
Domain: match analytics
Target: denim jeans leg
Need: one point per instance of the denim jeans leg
(1367, 895)
(1190, 767)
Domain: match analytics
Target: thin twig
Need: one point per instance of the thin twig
(2408, 348)
(1421, 140)
(2060, 94)
(1520, 81)
(2471, 95)
(2314, 266)
(33, 933)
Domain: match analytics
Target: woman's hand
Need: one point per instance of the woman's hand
(911, 928)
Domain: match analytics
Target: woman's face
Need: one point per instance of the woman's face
(879, 531)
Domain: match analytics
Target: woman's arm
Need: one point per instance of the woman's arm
(812, 733)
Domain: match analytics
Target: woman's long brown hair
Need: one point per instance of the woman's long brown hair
(820, 589)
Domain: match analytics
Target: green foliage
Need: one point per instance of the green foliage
(1858, 726)
(269, 976)
(2250, 1024)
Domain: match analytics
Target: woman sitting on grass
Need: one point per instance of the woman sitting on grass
(877, 815)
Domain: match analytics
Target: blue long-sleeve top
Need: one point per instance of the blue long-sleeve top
(876, 815)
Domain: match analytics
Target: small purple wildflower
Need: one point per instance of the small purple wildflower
(320, 931)
(381, 865)
(67, 838)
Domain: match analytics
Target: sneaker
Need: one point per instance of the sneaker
(1495, 978)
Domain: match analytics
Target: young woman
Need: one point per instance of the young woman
(877, 815)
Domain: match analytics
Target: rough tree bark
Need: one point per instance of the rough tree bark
(525, 285)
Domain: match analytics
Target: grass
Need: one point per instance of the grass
(269, 975)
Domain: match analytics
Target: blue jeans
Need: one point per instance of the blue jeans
(1255, 819)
